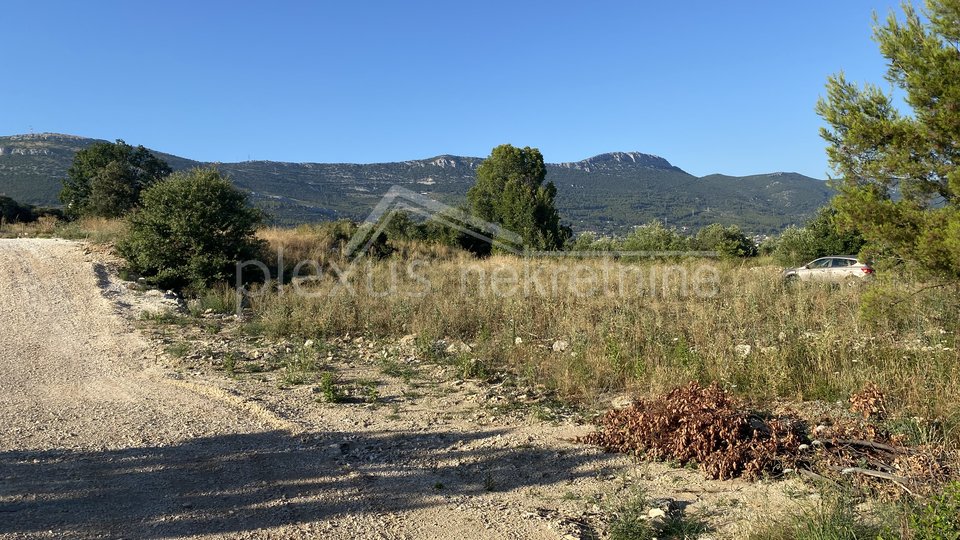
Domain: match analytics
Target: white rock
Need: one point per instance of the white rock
(518, 340)
(560, 346)
(656, 513)
(458, 347)
(742, 350)
(622, 402)
(308, 343)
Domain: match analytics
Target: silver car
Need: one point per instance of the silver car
(832, 269)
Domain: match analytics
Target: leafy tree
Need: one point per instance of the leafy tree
(13, 212)
(898, 179)
(726, 241)
(191, 229)
(106, 179)
(510, 191)
(822, 236)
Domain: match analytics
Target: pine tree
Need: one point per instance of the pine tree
(897, 172)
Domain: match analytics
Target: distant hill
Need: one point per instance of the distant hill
(608, 193)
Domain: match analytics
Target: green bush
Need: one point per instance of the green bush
(192, 229)
(13, 212)
(939, 518)
(821, 237)
(726, 241)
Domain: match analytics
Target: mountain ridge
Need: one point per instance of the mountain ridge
(606, 193)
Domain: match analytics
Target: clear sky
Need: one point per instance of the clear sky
(712, 86)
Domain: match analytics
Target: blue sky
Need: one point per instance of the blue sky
(711, 86)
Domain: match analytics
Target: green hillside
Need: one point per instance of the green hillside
(609, 193)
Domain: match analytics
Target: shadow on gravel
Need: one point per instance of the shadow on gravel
(237, 483)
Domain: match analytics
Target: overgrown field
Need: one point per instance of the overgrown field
(587, 328)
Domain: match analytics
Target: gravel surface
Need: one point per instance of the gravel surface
(103, 438)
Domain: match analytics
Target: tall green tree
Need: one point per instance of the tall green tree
(106, 179)
(897, 172)
(511, 192)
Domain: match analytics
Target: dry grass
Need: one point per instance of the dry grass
(754, 336)
(43, 227)
(99, 230)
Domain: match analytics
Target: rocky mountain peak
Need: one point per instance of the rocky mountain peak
(620, 160)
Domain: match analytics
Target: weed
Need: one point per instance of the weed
(368, 390)
(939, 517)
(833, 518)
(804, 342)
(630, 521)
(179, 349)
(394, 368)
(230, 363)
(165, 317)
(329, 391)
(218, 299)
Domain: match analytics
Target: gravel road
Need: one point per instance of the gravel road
(99, 440)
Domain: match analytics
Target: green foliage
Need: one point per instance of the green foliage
(651, 237)
(404, 227)
(13, 212)
(599, 195)
(328, 389)
(191, 230)
(654, 236)
(823, 236)
(106, 179)
(726, 241)
(834, 518)
(898, 172)
(629, 521)
(939, 517)
(510, 191)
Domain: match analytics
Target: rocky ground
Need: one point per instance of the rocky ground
(118, 424)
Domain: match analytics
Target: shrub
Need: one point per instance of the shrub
(13, 212)
(940, 517)
(654, 236)
(821, 237)
(191, 230)
(726, 241)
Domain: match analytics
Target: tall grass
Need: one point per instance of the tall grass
(44, 226)
(95, 229)
(745, 328)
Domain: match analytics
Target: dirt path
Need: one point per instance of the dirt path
(99, 440)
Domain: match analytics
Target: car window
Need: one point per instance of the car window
(820, 263)
(841, 263)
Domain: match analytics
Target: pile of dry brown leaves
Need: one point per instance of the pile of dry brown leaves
(702, 425)
(708, 427)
